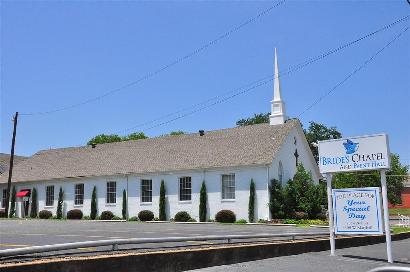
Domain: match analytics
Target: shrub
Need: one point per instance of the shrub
(106, 215)
(276, 198)
(116, 218)
(162, 213)
(12, 211)
(225, 216)
(87, 217)
(146, 215)
(202, 203)
(74, 214)
(192, 220)
(264, 221)
(241, 221)
(93, 214)
(45, 214)
(251, 204)
(156, 219)
(301, 215)
(60, 203)
(182, 216)
(2, 214)
(134, 218)
(33, 211)
(124, 204)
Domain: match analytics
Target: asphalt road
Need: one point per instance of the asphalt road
(350, 259)
(23, 233)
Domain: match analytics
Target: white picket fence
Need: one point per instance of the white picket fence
(404, 221)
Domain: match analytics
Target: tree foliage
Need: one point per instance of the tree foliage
(93, 213)
(60, 203)
(112, 138)
(162, 212)
(12, 211)
(395, 179)
(318, 132)
(276, 199)
(256, 119)
(251, 204)
(202, 203)
(33, 211)
(177, 132)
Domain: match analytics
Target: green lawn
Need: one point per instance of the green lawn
(397, 229)
(395, 211)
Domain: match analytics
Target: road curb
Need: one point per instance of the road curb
(180, 260)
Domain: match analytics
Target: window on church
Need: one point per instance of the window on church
(185, 188)
(146, 190)
(3, 200)
(296, 157)
(111, 197)
(79, 194)
(280, 172)
(228, 186)
(50, 195)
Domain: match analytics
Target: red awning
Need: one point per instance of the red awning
(23, 193)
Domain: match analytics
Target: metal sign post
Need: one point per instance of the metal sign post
(386, 216)
(330, 210)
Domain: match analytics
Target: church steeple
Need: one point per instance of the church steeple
(278, 112)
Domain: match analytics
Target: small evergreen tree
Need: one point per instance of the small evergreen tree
(162, 212)
(60, 204)
(202, 203)
(290, 200)
(124, 204)
(13, 202)
(276, 199)
(251, 204)
(93, 213)
(33, 211)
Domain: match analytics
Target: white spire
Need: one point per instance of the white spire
(278, 113)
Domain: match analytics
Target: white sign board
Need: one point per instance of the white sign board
(354, 154)
(357, 211)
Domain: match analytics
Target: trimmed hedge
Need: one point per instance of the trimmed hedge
(225, 216)
(182, 217)
(75, 214)
(146, 215)
(45, 214)
(106, 215)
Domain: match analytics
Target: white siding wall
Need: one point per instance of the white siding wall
(286, 156)
(212, 179)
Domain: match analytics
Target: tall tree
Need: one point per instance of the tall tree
(256, 119)
(251, 204)
(162, 212)
(202, 202)
(93, 213)
(395, 179)
(124, 204)
(318, 132)
(60, 203)
(33, 211)
(135, 136)
(12, 211)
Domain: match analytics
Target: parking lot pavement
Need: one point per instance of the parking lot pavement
(350, 259)
(22, 233)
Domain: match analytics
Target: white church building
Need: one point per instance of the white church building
(227, 160)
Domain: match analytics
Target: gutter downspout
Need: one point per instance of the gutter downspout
(267, 190)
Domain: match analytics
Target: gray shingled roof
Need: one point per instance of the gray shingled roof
(5, 161)
(240, 146)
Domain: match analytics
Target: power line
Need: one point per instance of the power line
(166, 66)
(287, 71)
(369, 60)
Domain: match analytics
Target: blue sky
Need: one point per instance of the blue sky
(54, 54)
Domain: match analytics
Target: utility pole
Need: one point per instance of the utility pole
(13, 141)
